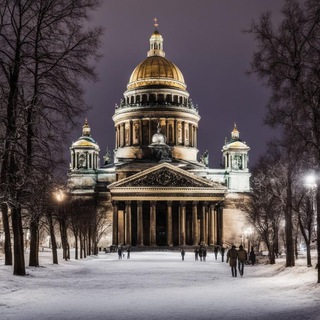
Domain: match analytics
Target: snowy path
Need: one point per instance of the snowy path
(157, 285)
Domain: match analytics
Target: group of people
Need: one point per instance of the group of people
(240, 256)
(121, 253)
(200, 253)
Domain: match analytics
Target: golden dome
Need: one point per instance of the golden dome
(156, 70)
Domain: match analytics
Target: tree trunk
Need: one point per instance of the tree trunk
(64, 239)
(81, 246)
(290, 262)
(318, 229)
(7, 235)
(34, 242)
(53, 240)
(76, 256)
(18, 247)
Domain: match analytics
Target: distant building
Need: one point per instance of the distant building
(156, 192)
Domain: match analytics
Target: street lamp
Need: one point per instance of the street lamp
(59, 195)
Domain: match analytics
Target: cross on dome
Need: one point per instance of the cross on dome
(155, 23)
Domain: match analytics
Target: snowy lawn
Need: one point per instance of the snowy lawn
(157, 285)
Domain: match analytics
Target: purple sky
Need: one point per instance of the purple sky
(204, 39)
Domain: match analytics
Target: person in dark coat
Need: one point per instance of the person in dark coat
(119, 253)
(232, 257)
(196, 254)
(128, 252)
(200, 254)
(252, 256)
(222, 250)
(215, 251)
(204, 254)
(242, 258)
(182, 254)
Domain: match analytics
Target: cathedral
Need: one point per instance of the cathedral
(153, 189)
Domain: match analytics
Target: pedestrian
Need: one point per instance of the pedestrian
(204, 255)
(196, 254)
(119, 253)
(200, 254)
(182, 254)
(252, 256)
(232, 256)
(128, 253)
(215, 251)
(222, 250)
(242, 258)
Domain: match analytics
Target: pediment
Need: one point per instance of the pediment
(163, 176)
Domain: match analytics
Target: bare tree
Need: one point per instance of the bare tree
(45, 52)
(264, 209)
(287, 60)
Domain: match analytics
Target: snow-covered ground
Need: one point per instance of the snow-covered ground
(157, 285)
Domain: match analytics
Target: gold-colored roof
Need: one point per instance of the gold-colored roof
(156, 70)
(83, 143)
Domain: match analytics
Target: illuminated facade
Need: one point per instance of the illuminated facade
(155, 191)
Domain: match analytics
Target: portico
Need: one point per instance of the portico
(166, 214)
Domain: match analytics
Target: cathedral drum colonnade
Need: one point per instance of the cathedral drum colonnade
(156, 192)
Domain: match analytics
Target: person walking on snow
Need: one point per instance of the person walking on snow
(182, 254)
(222, 249)
(242, 258)
(216, 250)
(252, 256)
(232, 257)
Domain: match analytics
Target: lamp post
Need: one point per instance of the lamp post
(60, 197)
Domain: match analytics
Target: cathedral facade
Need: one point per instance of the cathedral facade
(155, 191)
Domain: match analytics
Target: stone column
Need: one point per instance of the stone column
(169, 223)
(220, 239)
(139, 224)
(115, 223)
(130, 133)
(195, 234)
(211, 225)
(207, 224)
(153, 240)
(150, 135)
(140, 133)
(203, 223)
(182, 223)
(128, 222)
(215, 237)
(183, 132)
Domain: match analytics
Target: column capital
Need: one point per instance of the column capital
(183, 203)
(195, 203)
(115, 203)
(128, 202)
(169, 203)
(153, 203)
(139, 203)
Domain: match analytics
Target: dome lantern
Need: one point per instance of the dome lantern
(86, 131)
(156, 42)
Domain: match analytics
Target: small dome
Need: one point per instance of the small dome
(158, 137)
(85, 140)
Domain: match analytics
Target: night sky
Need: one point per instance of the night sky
(205, 39)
